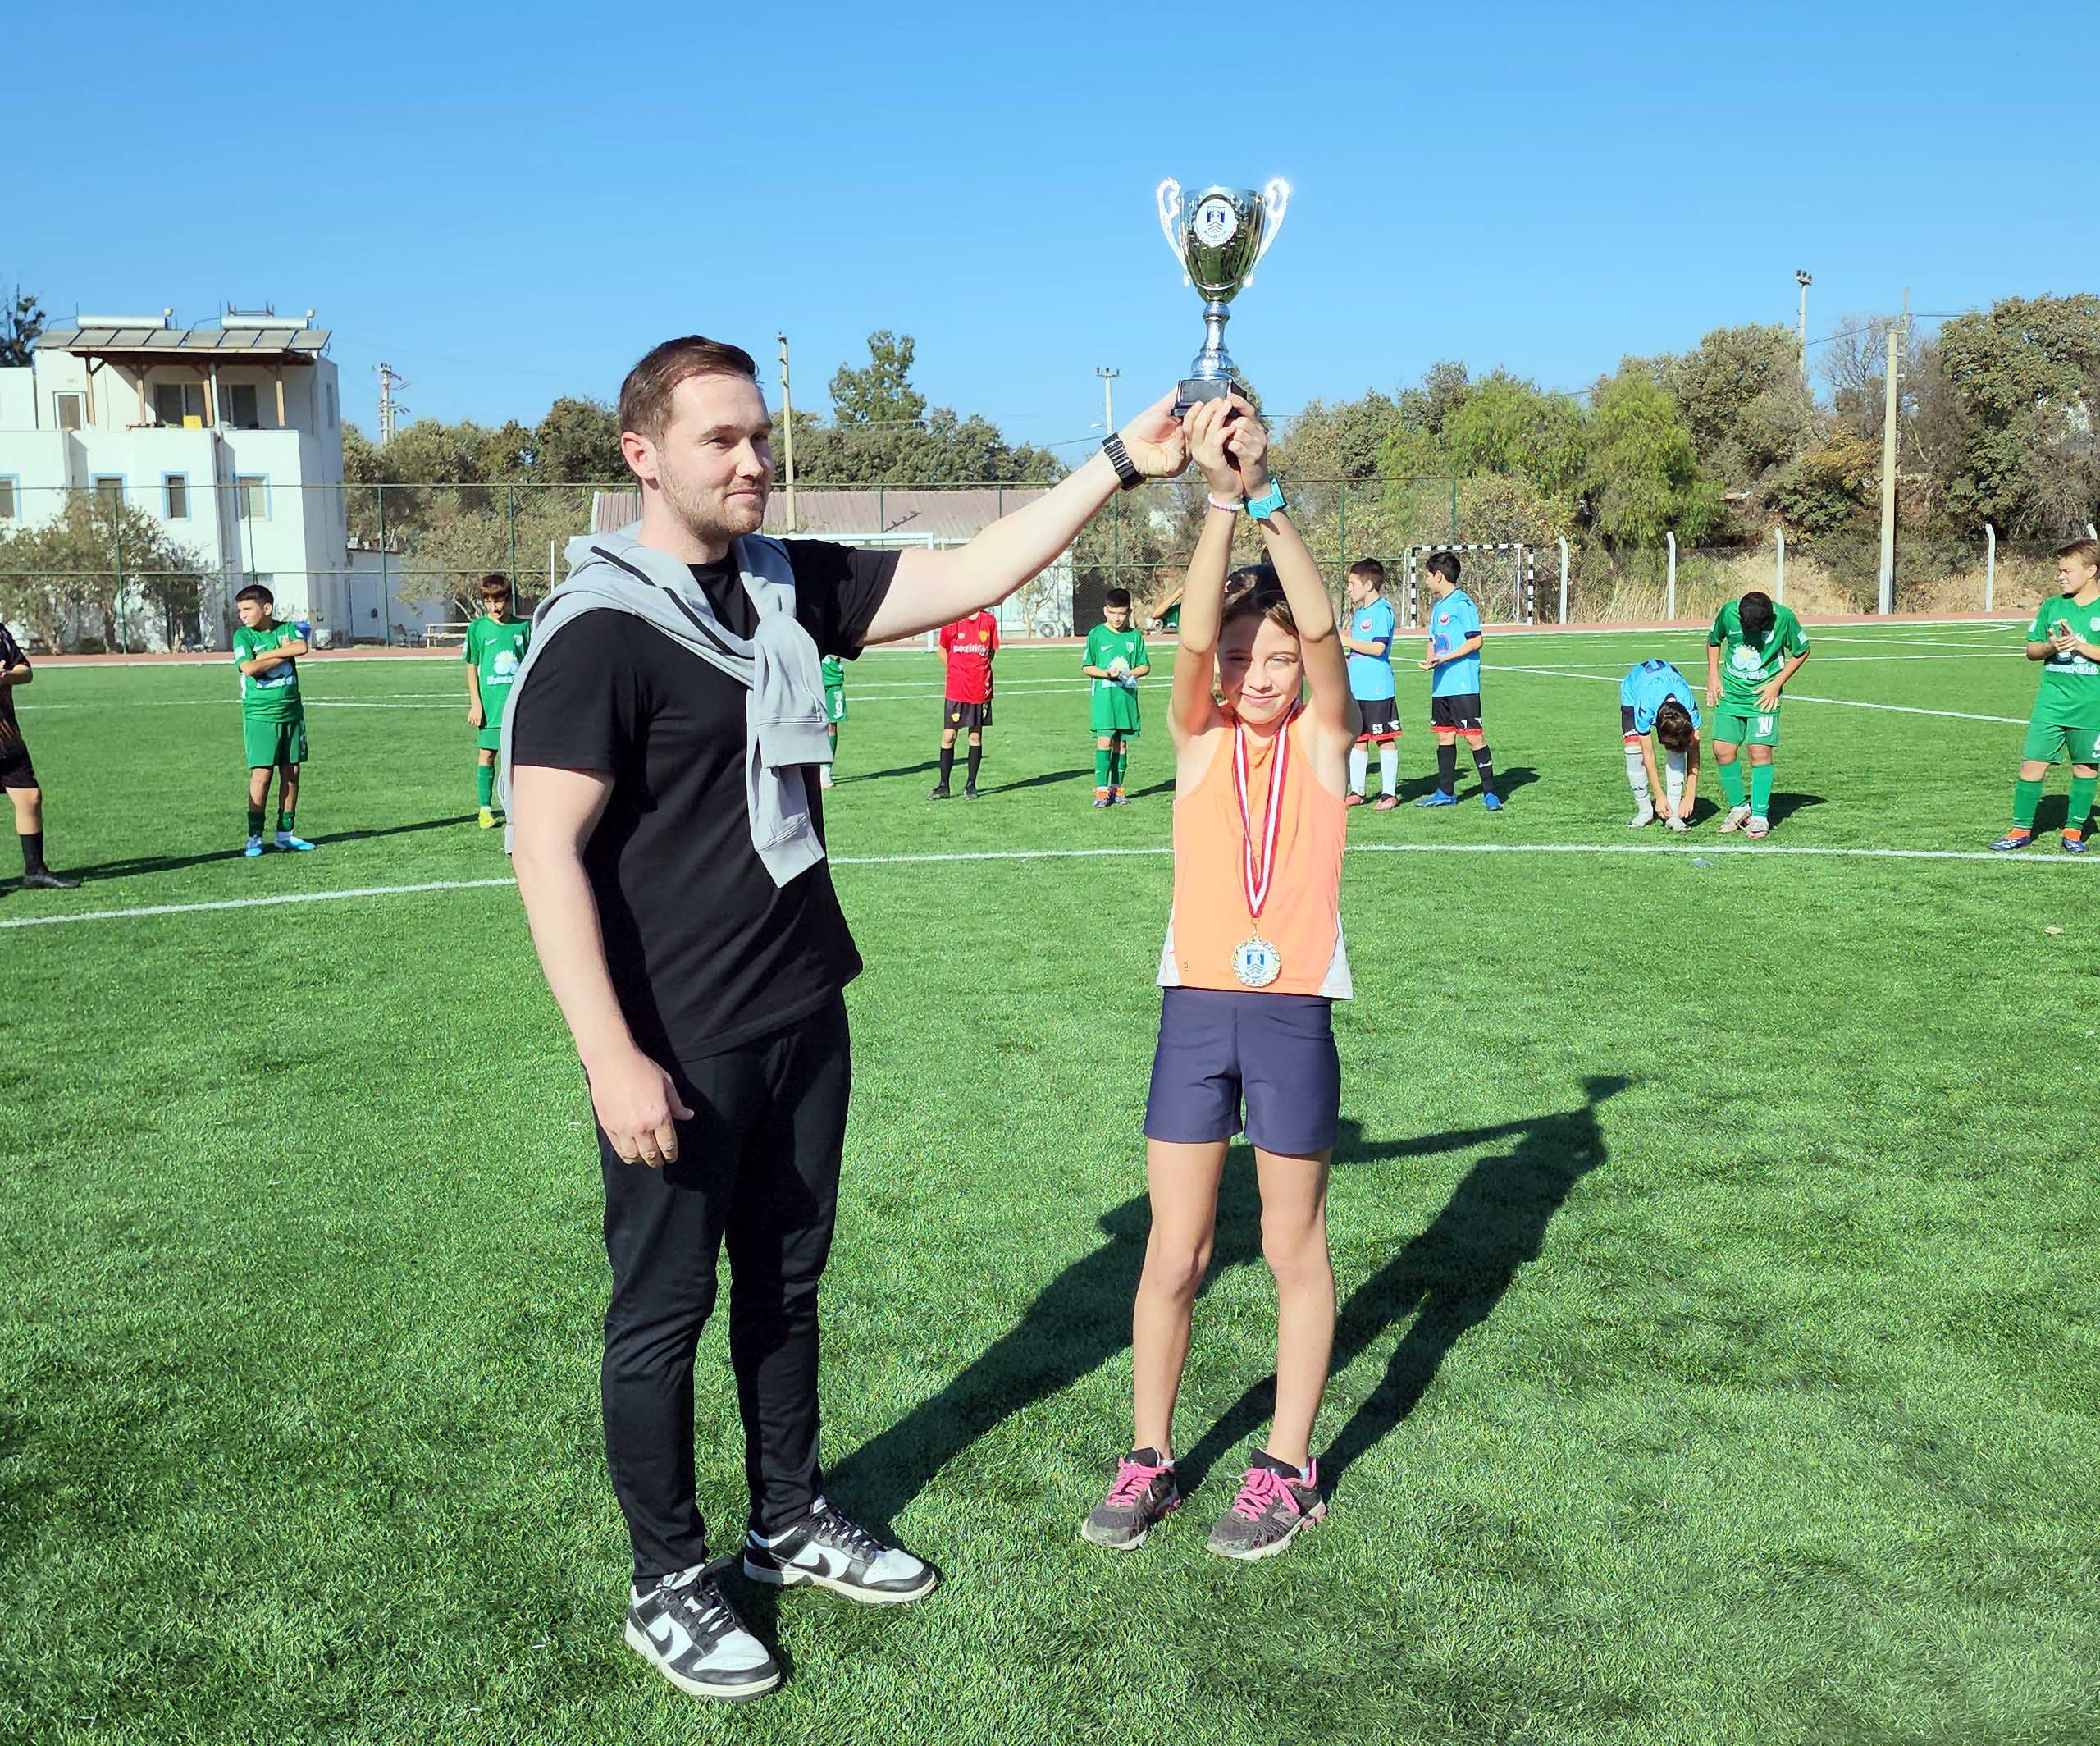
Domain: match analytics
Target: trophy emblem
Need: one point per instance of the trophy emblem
(1219, 235)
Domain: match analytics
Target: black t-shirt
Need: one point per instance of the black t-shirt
(705, 951)
(10, 656)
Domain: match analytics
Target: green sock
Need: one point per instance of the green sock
(1119, 765)
(2081, 804)
(2026, 796)
(485, 782)
(1761, 790)
(1732, 782)
(255, 820)
(284, 823)
(1102, 758)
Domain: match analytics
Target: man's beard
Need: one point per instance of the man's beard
(703, 520)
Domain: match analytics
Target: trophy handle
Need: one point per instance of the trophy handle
(1168, 197)
(1275, 198)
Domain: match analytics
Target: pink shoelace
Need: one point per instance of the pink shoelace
(1133, 1480)
(1260, 1488)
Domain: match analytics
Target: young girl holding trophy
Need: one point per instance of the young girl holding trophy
(1253, 961)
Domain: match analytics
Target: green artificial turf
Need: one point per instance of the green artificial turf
(1714, 1227)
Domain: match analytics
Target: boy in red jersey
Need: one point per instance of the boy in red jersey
(966, 648)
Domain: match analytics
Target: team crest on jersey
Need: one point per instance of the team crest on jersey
(1443, 617)
(1747, 659)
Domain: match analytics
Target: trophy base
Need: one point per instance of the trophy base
(1194, 390)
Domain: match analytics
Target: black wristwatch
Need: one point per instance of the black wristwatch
(1119, 458)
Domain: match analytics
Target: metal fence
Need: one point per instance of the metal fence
(117, 565)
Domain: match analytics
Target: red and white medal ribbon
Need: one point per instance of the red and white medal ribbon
(1257, 883)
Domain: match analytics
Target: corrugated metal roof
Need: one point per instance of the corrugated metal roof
(961, 513)
(248, 342)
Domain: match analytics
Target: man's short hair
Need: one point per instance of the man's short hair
(1444, 564)
(1116, 598)
(1754, 613)
(256, 592)
(1674, 725)
(646, 395)
(494, 584)
(2086, 551)
(1371, 570)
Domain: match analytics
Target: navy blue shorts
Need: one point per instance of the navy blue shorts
(1218, 1045)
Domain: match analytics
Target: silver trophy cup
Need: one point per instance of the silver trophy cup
(1219, 235)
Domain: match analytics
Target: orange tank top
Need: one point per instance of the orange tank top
(1302, 917)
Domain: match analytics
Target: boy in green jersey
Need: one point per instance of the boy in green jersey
(496, 649)
(1116, 659)
(2064, 635)
(273, 717)
(1754, 648)
(834, 710)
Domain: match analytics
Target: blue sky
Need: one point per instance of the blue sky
(511, 203)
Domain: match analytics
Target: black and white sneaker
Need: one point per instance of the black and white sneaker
(682, 1625)
(827, 1549)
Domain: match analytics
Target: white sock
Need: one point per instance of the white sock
(1636, 774)
(1359, 766)
(1673, 767)
(1388, 767)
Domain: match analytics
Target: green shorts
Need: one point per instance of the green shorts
(2047, 741)
(489, 739)
(1115, 711)
(834, 703)
(1734, 727)
(272, 743)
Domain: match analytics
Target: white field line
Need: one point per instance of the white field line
(1900, 708)
(1143, 852)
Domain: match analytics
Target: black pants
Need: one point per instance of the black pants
(758, 1168)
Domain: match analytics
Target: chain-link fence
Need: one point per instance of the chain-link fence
(120, 564)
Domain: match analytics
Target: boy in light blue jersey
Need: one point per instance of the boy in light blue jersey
(1654, 696)
(1369, 641)
(1454, 645)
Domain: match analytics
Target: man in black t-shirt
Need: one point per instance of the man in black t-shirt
(18, 776)
(706, 996)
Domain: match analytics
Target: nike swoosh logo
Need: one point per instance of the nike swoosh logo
(669, 1636)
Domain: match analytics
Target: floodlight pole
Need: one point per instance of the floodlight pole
(1896, 336)
(1804, 278)
(1107, 397)
(787, 431)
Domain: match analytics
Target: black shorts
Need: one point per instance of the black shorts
(1378, 719)
(15, 769)
(1626, 727)
(965, 718)
(1459, 711)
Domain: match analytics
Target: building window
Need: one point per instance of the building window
(243, 410)
(252, 493)
(109, 490)
(8, 508)
(69, 408)
(176, 487)
(331, 406)
(175, 404)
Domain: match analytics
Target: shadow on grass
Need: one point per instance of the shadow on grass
(1784, 805)
(1044, 780)
(883, 775)
(1448, 1279)
(141, 866)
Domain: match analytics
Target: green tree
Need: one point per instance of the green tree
(87, 559)
(1641, 477)
(21, 320)
(578, 443)
(2025, 379)
(880, 392)
(1743, 399)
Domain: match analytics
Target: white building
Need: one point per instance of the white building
(231, 436)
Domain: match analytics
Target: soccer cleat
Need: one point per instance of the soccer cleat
(1760, 827)
(824, 776)
(2074, 843)
(1144, 1493)
(1101, 797)
(486, 818)
(44, 880)
(1738, 816)
(254, 847)
(2014, 838)
(1439, 799)
(1273, 1504)
(684, 1628)
(1354, 799)
(286, 840)
(1493, 802)
(826, 1549)
(1643, 815)
(1117, 797)
(1385, 803)
(970, 791)
(1677, 824)
(940, 791)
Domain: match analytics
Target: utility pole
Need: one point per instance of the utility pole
(1804, 278)
(1896, 335)
(787, 430)
(1107, 397)
(388, 407)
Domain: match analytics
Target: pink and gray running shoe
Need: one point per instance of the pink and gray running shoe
(1273, 1504)
(1144, 1492)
